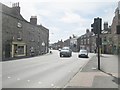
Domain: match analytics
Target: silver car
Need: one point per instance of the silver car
(83, 53)
(66, 51)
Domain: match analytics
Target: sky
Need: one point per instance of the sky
(64, 18)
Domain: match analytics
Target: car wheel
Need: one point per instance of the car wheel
(60, 55)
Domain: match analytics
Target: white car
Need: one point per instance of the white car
(59, 49)
(83, 53)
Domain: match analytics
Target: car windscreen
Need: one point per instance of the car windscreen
(65, 48)
(84, 51)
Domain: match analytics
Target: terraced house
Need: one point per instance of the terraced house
(21, 38)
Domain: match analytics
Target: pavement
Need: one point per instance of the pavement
(90, 77)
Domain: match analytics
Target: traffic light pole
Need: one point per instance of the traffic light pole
(96, 28)
(98, 47)
(99, 43)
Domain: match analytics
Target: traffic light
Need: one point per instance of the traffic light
(99, 24)
(96, 26)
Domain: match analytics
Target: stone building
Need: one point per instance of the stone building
(87, 41)
(110, 42)
(21, 38)
(73, 44)
(106, 39)
(109, 37)
(66, 43)
(114, 36)
(59, 44)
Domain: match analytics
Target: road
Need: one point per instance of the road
(47, 71)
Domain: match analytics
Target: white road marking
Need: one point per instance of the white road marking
(18, 78)
(93, 68)
(9, 77)
(52, 85)
(39, 82)
(28, 80)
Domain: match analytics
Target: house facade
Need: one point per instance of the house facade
(21, 38)
(87, 41)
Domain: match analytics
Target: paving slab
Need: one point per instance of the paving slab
(91, 77)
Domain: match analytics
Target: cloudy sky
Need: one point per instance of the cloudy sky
(64, 18)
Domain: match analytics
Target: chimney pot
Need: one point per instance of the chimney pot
(33, 20)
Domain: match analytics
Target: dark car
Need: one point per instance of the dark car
(65, 51)
(83, 53)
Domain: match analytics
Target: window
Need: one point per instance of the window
(88, 41)
(84, 41)
(19, 25)
(81, 41)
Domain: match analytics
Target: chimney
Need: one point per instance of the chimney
(105, 25)
(87, 30)
(16, 7)
(33, 20)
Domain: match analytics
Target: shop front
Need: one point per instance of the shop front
(18, 49)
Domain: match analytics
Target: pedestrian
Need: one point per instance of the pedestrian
(94, 50)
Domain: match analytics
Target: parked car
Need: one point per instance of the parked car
(59, 49)
(66, 51)
(83, 53)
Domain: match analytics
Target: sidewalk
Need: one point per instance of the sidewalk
(91, 77)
